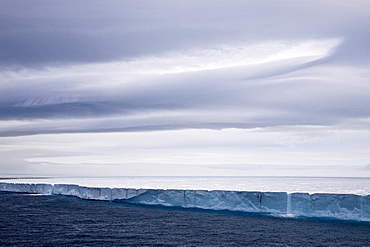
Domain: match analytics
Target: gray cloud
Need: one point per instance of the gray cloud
(46, 44)
(230, 98)
(190, 87)
(38, 33)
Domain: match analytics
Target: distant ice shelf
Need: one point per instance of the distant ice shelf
(340, 206)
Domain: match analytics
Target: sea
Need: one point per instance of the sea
(51, 220)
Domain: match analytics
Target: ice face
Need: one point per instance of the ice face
(101, 194)
(159, 197)
(66, 190)
(342, 206)
(336, 206)
(45, 189)
(272, 202)
(300, 204)
(120, 194)
(365, 207)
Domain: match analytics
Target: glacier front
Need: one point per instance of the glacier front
(340, 206)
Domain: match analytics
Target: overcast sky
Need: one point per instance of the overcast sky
(233, 88)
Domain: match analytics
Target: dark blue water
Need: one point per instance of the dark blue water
(30, 220)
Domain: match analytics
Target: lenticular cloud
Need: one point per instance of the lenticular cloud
(240, 55)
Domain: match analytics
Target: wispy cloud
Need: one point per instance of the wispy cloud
(138, 68)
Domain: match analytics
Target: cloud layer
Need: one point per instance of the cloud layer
(138, 68)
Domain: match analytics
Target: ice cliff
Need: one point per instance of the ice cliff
(341, 206)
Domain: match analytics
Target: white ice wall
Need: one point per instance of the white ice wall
(28, 188)
(342, 206)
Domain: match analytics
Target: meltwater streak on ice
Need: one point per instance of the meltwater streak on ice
(341, 206)
(289, 204)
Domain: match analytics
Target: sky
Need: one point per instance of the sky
(185, 88)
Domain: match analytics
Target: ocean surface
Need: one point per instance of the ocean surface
(49, 220)
(358, 186)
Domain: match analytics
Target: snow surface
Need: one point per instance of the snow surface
(341, 206)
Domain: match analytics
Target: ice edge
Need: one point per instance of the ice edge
(324, 205)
